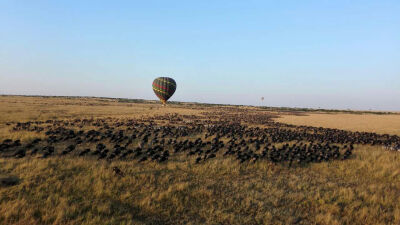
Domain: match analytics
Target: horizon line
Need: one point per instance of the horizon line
(282, 108)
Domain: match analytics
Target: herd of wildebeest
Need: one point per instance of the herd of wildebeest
(245, 135)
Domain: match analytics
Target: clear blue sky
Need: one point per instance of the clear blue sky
(328, 54)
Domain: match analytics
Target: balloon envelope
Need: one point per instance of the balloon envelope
(164, 88)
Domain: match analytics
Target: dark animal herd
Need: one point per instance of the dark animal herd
(240, 134)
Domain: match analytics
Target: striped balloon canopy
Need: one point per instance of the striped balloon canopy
(164, 88)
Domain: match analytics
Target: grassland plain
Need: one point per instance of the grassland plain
(67, 190)
(381, 124)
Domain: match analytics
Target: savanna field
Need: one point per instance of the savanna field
(115, 161)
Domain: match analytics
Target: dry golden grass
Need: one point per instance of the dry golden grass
(20, 109)
(364, 190)
(382, 124)
(23, 109)
(64, 190)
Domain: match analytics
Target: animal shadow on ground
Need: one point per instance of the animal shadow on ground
(9, 181)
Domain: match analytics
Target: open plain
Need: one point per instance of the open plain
(115, 161)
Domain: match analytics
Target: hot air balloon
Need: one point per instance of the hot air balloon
(262, 98)
(164, 88)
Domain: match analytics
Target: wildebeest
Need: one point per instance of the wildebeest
(237, 133)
